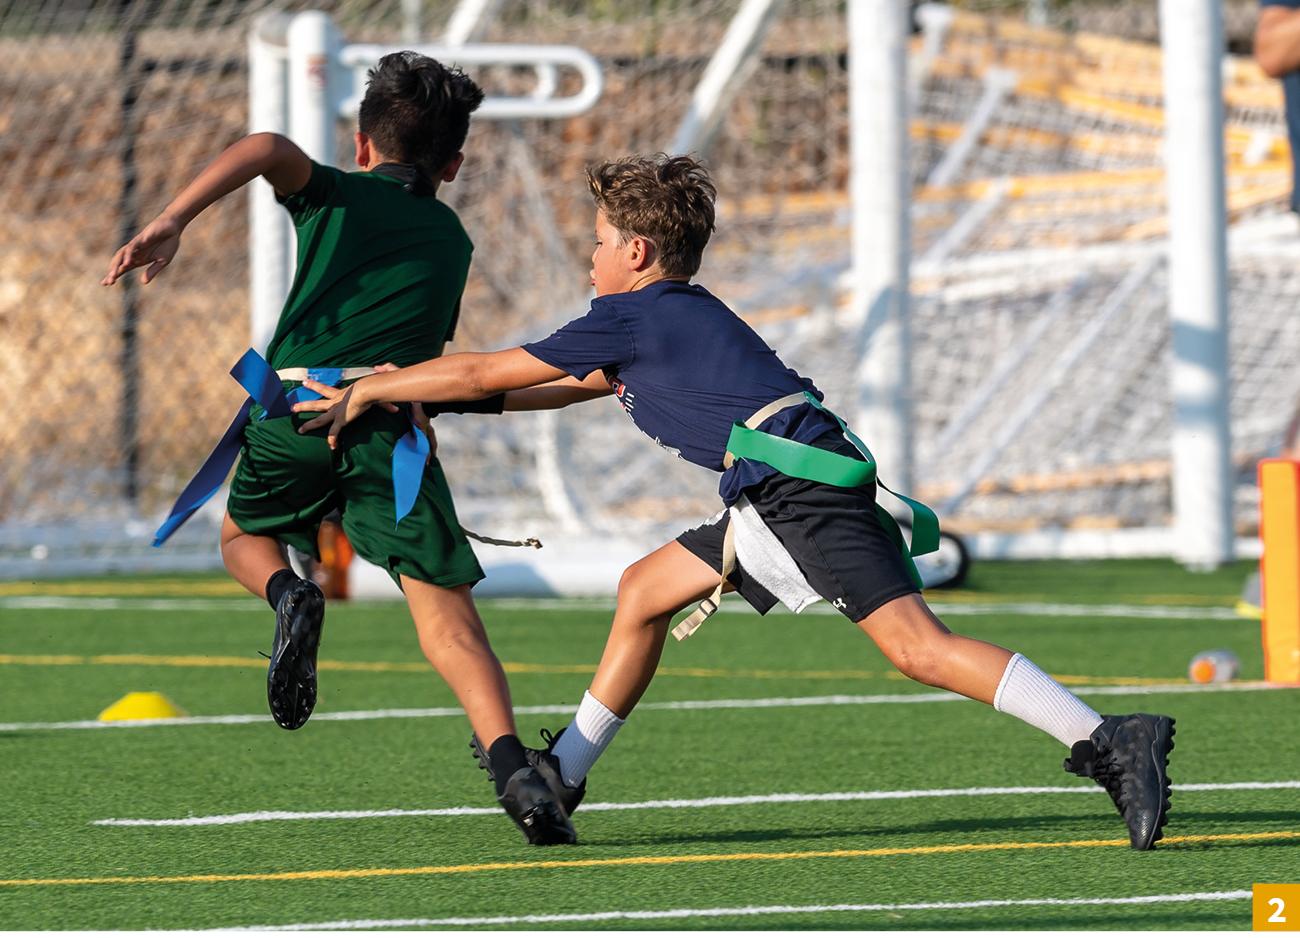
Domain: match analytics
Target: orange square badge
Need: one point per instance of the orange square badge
(1275, 907)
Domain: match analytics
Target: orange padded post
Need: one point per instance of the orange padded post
(1279, 568)
(336, 553)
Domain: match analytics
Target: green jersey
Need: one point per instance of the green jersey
(380, 274)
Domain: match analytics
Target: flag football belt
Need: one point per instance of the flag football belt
(801, 461)
(303, 374)
(265, 388)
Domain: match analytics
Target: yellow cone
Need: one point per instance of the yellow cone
(142, 705)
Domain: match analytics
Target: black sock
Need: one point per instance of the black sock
(280, 581)
(507, 758)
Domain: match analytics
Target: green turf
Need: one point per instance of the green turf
(58, 781)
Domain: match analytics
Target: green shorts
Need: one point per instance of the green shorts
(287, 482)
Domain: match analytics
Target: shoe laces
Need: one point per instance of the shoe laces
(1107, 771)
(1100, 765)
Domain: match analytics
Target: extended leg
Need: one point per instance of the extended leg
(923, 648)
(1127, 755)
(456, 644)
(454, 641)
(650, 592)
(261, 566)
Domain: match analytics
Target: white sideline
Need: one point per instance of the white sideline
(253, 817)
(751, 910)
(1069, 610)
(760, 703)
(732, 604)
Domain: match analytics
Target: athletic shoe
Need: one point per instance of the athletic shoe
(547, 766)
(291, 678)
(535, 810)
(1129, 757)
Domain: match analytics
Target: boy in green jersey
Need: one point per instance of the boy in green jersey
(381, 268)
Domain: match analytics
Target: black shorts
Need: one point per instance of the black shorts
(831, 533)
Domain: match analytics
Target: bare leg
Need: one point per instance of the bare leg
(251, 558)
(650, 592)
(1137, 746)
(454, 640)
(452, 637)
(923, 648)
(920, 646)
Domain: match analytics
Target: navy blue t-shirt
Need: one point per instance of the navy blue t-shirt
(1291, 93)
(685, 368)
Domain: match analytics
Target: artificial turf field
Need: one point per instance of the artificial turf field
(910, 837)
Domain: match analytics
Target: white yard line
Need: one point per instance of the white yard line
(1085, 611)
(760, 703)
(252, 817)
(941, 608)
(1070, 610)
(752, 910)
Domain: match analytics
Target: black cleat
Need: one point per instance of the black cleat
(1129, 757)
(536, 811)
(291, 678)
(547, 766)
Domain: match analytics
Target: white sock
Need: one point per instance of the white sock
(1025, 691)
(592, 729)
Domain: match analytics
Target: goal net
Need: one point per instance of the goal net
(1038, 294)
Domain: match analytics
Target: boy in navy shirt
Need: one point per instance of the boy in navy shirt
(800, 489)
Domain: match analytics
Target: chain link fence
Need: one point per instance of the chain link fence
(1042, 223)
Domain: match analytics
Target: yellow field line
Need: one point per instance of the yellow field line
(632, 861)
(1093, 680)
(512, 667)
(190, 589)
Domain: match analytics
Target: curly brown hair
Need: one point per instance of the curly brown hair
(668, 200)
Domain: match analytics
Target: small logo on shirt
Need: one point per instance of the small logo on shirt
(627, 400)
(625, 397)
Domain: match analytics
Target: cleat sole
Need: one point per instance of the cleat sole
(1161, 746)
(291, 676)
(481, 754)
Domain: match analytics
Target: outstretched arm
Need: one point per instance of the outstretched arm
(468, 376)
(560, 393)
(274, 157)
(465, 376)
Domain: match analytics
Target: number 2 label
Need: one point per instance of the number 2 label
(1271, 904)
(1278, 908)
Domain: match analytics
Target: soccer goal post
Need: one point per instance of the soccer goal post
(1192, 38)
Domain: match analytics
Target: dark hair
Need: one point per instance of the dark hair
(667, 200)
(416, 110)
